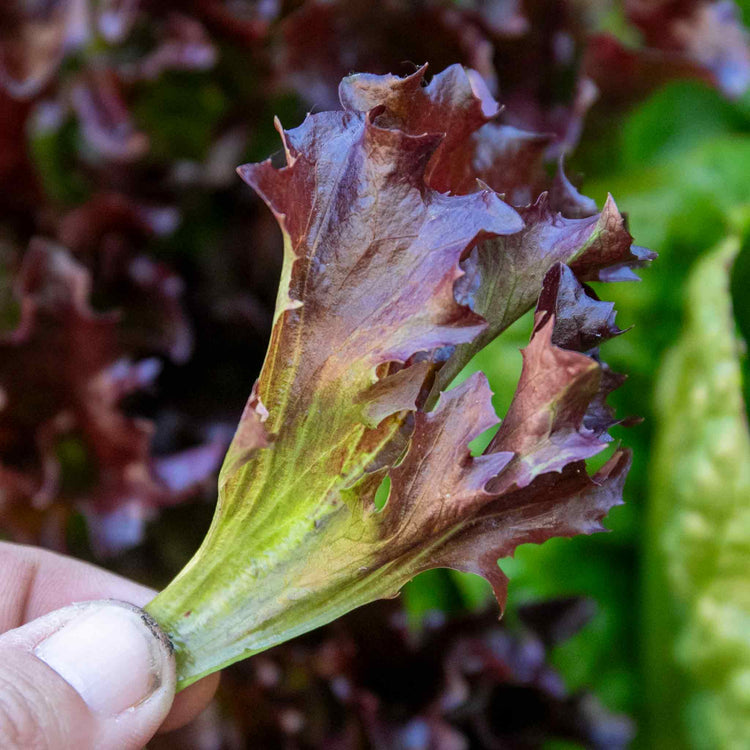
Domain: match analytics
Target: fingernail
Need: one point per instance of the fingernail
(109, 654)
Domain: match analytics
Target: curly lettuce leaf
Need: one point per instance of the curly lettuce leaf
(370, 307)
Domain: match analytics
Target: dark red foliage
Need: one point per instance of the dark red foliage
(367, 682)
(694, 39)
(19, 189)
(62, 378)
(107, 233)
(705, 33)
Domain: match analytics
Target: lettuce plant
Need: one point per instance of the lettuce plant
(400, 262)
(697, 597)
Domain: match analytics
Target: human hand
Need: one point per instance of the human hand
(98, 674)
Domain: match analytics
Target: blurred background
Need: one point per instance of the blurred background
(121, 124)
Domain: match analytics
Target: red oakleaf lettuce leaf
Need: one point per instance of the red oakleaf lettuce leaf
(185, 45)
(105, 120)
(371, 302)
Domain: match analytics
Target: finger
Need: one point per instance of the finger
(34, 582)
(190, 702)
(92, 675)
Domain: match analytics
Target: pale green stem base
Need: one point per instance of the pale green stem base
(222, 609)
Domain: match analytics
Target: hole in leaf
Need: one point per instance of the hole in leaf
(480, 442)
(594, 463)
(382, 493)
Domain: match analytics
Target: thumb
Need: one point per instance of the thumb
(93, 675)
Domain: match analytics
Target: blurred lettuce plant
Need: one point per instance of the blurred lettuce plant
(683, 178)
(698, 606)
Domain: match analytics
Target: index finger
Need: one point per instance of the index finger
(34, 582)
